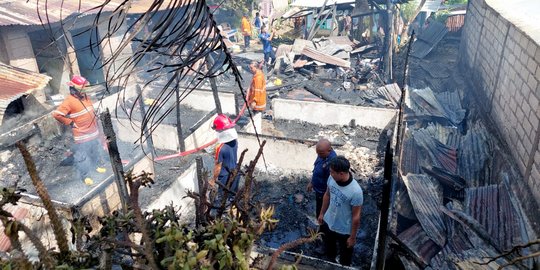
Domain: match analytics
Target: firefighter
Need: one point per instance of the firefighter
(77, 111)
(257, 96)
(246, 32)
(226, 152)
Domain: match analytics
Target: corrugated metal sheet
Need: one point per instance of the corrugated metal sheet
(428, 39)
(410, 156)
(453, 185)
(22, 12)
(424, 103)
(455, 23)
(328, 59)
(499, 218)
(416, 239)
(384, 96)
(475, 156)
(17, 12)
(16, 82)
(19, 213)
(440, 154)
(427, 199)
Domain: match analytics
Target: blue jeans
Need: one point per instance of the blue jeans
(269, 55)
(246, 41)
(87, 156)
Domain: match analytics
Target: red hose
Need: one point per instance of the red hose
(189, 152)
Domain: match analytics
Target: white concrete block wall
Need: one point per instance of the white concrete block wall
(504, 64)
(332, 114)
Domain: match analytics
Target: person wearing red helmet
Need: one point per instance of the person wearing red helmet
(226, 152)
(77, 111)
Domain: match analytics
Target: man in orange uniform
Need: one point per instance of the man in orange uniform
(246, 31)
(77, 111)
(257, 95)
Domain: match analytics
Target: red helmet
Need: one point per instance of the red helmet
(78, 81)
(222, 122)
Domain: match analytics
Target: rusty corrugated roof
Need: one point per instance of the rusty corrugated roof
(17, 12)
(416, 239)
(16, 82)
(499, 219)
(427, 200)
(21, 12)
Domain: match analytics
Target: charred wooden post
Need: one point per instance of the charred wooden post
(146, 133)
(385, 208)
(389, 41)
(200, 201)
(114, 156)
(213, 84)
(181, 143)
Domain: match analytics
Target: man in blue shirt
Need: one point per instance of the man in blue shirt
(266, 40)
(341, 210)
(226, 152)
(321, 172)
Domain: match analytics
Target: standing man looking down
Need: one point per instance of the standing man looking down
(266, 40)
(341, 210)
(321, 172)
(246, 31)
(77, 111)
(257, 96)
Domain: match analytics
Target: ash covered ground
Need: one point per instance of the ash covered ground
(295, 207)
(188, 115)
(295, 210)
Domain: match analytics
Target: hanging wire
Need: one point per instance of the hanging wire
(162, 47)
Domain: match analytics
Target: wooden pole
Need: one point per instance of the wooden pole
(114, 156)
(147, 135)
(181, 143)
(389, 41)
(200, 207)
(213, 84)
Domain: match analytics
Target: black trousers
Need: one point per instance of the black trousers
(246, 41)
(318, 203)
(332, 238)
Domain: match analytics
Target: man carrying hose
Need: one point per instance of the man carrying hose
(226, 153)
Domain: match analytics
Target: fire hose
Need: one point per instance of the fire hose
(208, 144)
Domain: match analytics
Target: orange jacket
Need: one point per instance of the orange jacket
(257, 91)
(81, 113)
(246, 27)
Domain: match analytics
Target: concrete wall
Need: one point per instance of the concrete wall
(19, 49)
(331, 114)
(503, 62)
(204, 100)
(177, 192)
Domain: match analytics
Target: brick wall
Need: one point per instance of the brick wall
(503, 63)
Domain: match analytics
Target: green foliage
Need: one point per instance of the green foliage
(442, 15)
(407, 9)
(456, 2)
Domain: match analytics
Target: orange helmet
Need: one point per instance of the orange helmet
(78, 82)
(222, 122)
